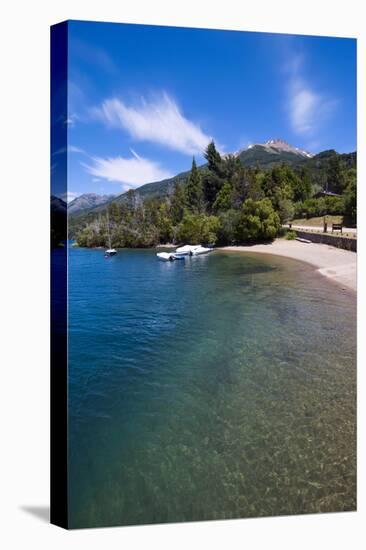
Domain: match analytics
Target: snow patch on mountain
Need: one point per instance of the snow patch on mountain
(277, 145)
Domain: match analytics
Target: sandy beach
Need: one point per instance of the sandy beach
(334, 263)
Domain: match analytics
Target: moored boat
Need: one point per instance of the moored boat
(167, 256)
(201, 250)
(186, 250)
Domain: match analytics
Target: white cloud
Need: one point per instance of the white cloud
(308, 108)
(305, 105)
(159, 121)
(73, 149)
(131, 172)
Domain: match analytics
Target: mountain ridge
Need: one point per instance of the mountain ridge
(88, 201)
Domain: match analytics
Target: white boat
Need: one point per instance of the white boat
(186, 250)
(110, 252)
(166, 256)
(201, 250)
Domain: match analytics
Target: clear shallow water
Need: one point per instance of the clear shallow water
(219, 387)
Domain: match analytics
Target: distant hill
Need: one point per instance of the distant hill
(88, 201)
(264, 155)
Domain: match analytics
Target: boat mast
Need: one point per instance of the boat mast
(109, 230)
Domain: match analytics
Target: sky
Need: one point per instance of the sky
(143, 100)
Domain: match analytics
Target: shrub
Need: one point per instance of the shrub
(198, 228)
(291, 235)
(228, 224)
(258, 221)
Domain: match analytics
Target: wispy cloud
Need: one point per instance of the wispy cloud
(74, 149)
(69, 149)
(307, 106)
(93, 55)
(130, 172)
(159, 121)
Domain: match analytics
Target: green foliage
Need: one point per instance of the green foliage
(213, 178)
(214, 161)
(350, 201)
(228, 224)
(279, 184)
(258, 221)
(291, 235)
(255, 187)
(336, 177)
(312, 208)
(194, 190)
(302, 188)
(178, 204)
(223, 199)
(286, 210)
(198, 228)
(164, 224)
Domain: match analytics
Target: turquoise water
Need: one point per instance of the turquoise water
(219, 387)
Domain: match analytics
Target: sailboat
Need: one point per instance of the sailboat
(110, 251)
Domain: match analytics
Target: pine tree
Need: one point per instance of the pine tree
(194, 189)
(178, 204)
(213, 158)
(214, 178)
(335, 177)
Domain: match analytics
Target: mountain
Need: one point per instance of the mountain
(272, 152)
(279, 145)
(88, 201)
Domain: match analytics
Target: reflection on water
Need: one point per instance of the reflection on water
(219, 387)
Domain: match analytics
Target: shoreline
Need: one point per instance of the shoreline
(335, 264)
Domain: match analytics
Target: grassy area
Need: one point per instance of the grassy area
(317, 221)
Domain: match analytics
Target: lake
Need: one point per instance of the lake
(220, 387)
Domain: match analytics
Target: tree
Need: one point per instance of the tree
(178, 204)
(258, 221)
(255, 189)
(335, 175)
(214, 160)
(350, 202)
(131, 199)
(228, 223)
(223, 199)
(286, 210)
(164, 224)
(194, 189)
(198, 228)
(302, 186)
(241, 182)
(213, 178)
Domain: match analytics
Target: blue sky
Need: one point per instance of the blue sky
(143, 100)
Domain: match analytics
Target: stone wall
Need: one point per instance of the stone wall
(347, 243)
